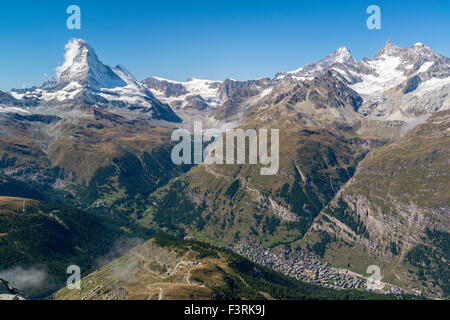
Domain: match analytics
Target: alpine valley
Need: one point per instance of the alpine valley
(86, 178)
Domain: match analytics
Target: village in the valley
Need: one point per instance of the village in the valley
(305, 266)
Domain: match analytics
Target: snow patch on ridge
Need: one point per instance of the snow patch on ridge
(433, 84)
(388, 76)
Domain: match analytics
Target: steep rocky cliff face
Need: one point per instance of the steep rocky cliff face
(397, 84)
(396, 208)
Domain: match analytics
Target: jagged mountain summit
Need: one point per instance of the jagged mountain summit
(84, 80)
(397, 84)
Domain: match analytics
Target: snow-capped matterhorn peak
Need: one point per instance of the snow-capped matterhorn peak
(309, 71)
(82, 65)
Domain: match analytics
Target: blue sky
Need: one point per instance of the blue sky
(208, 39)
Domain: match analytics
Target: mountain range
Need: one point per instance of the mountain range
(364, 167)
